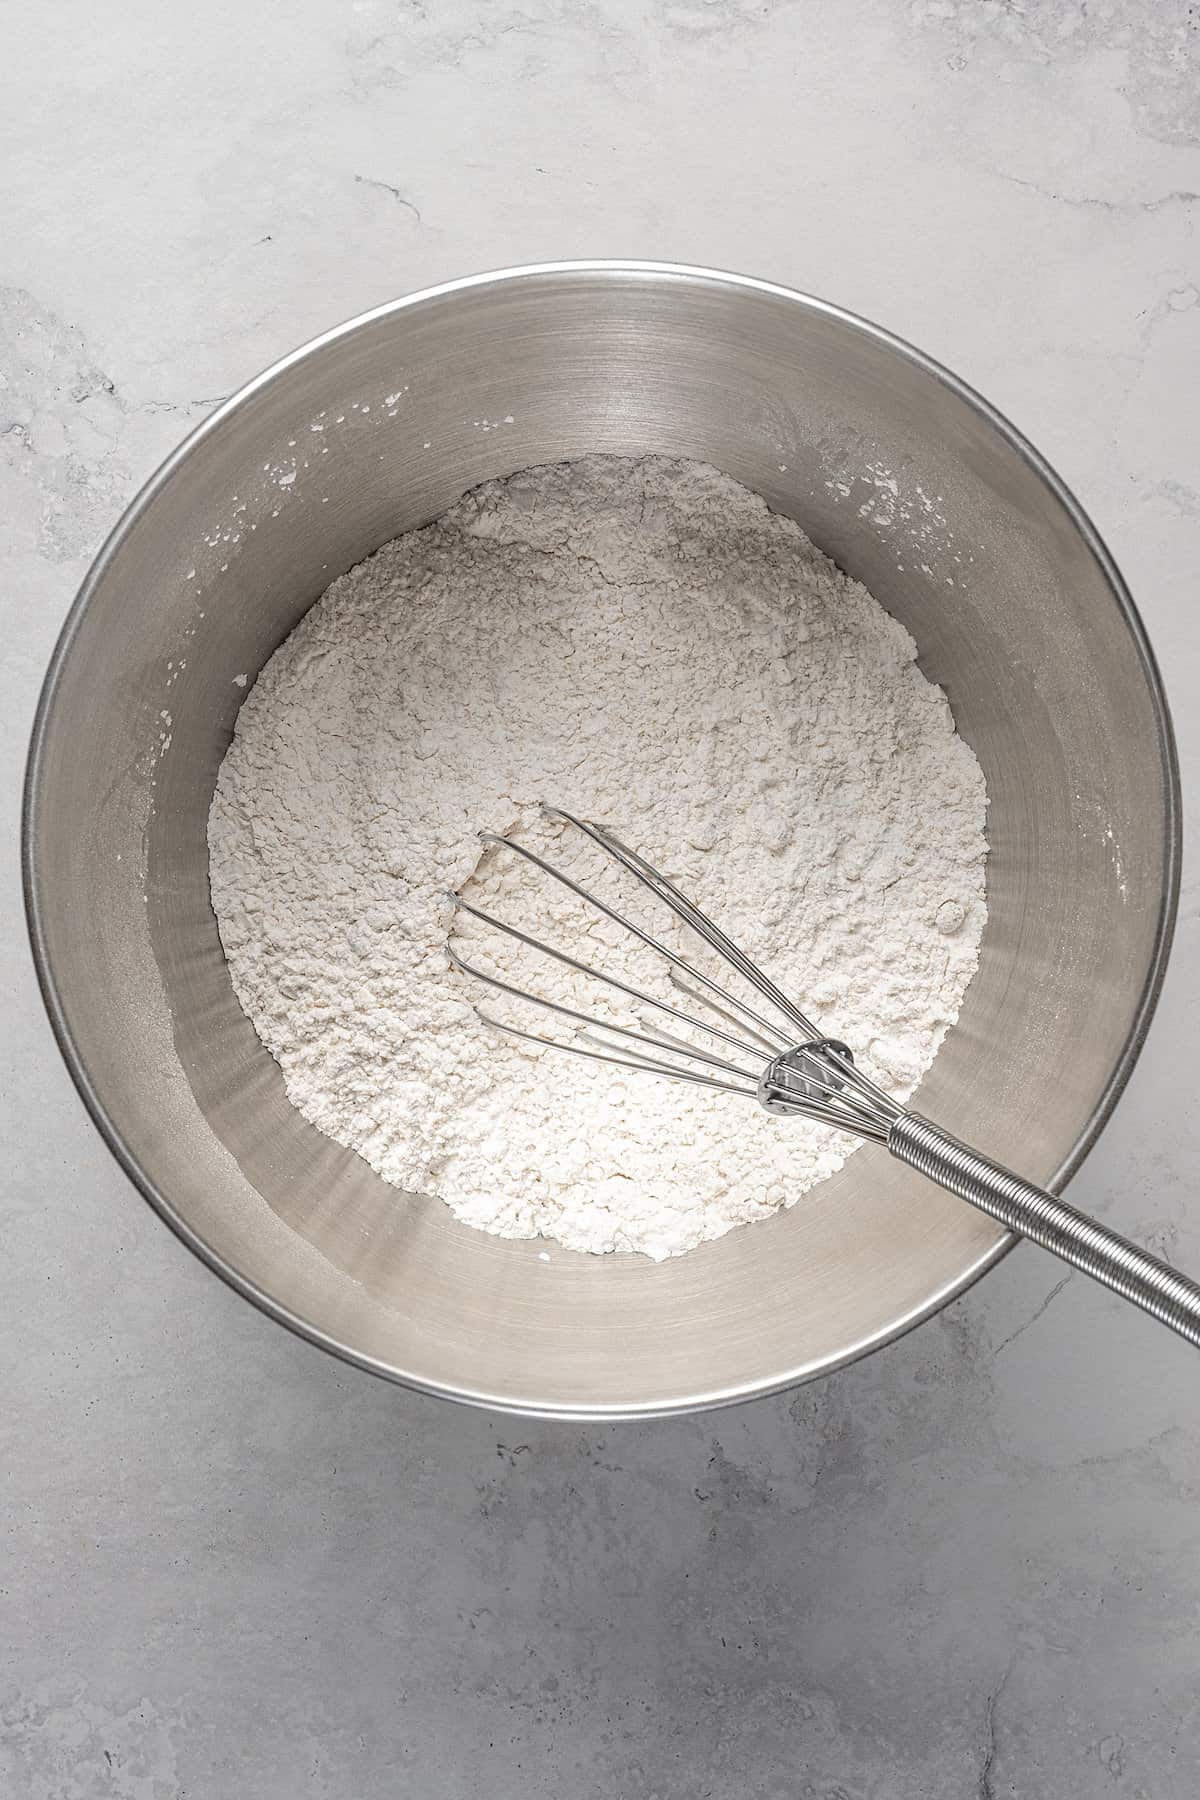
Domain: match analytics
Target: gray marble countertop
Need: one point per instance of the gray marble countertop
(234, 1570)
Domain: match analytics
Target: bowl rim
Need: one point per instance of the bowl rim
(32, 806)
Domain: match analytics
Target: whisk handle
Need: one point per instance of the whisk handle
(1157, 1288)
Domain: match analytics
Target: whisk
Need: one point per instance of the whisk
(773, 1054)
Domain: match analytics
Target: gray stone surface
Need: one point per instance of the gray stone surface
(231, 1568)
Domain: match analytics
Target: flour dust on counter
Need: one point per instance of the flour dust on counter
(643, 642)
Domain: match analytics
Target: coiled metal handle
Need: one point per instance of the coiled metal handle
(1019, 1206)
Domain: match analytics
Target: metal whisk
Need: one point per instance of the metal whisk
(775, 1055)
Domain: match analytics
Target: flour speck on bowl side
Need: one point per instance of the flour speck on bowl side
(645, 643)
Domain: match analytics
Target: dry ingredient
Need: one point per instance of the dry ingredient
(644, 642)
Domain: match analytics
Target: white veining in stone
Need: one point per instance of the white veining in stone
(969, 1567)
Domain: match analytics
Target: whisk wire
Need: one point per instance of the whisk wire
(601, 906)
(817, 1077)
(699, 998)
(582, 1018)
(582, 968)
(642, 1064)
(691, 914)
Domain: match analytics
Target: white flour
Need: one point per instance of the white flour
(646, 644)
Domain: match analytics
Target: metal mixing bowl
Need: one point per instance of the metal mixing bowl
(913, 485)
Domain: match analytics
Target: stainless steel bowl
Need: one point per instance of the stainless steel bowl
(904, 476)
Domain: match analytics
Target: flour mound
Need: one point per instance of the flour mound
(644, 643)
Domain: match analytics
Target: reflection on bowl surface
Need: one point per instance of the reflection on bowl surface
(916, 489)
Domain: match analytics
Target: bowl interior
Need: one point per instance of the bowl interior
(894, 471)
